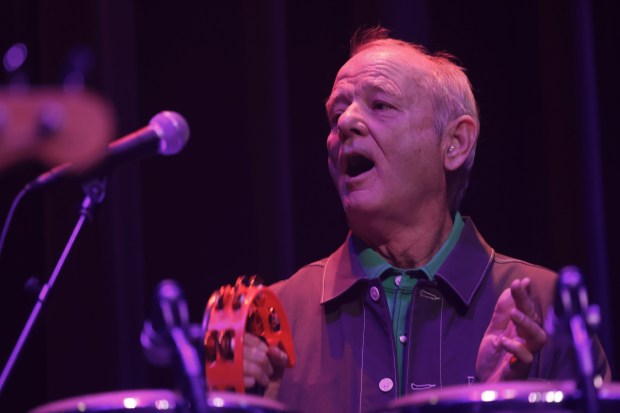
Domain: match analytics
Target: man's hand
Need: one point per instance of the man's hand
(513, 337)
(261, 363)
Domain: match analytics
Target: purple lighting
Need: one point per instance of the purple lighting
(15, 57)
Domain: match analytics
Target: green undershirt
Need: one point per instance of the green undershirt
(399, 283)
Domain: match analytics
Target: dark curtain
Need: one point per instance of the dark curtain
(251, 192)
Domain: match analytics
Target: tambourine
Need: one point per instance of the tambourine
(248, 306)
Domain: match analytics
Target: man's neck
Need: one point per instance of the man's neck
(410, 246)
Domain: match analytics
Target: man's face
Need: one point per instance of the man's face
(384, 155)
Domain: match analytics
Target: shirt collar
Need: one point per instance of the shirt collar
(461, 270)
(465, 268)
(373, 264)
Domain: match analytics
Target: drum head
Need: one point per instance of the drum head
(226, 402)
(143, 401)
(507, 397)
(609, 397)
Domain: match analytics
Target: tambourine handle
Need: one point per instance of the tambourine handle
(231, 312)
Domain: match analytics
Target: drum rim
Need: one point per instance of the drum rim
(531, 391)
(111, 400)
(225, 399)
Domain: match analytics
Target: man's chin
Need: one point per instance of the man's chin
(359, 205)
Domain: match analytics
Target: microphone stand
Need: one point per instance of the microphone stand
(192, 370)
(167, 339)
(95, 193)
(581, 319)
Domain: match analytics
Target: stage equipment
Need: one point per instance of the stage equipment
(167, 340)
(506, 397)
(159, 401)
(231, 312)
(166, 134)
(142, 401)
(581, 320)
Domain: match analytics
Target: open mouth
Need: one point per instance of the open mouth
(358, 164)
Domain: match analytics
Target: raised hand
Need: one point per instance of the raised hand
(513, 337)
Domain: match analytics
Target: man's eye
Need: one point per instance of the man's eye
(333, 119)
(382, 106)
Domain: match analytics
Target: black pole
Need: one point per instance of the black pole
(594, 218)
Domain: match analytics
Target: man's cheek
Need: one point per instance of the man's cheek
(333, 170)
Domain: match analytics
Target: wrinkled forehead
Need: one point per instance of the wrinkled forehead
(393, 61)
(394, 70)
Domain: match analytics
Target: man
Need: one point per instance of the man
(414, 299)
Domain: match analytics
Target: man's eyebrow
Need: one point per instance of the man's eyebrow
(381, 85)
(329, 103)
(333, 99)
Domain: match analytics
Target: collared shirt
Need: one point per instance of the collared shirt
(399, 283)
(346, 361)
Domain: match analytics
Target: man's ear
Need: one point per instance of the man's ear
(459, 141)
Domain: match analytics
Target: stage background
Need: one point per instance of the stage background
(251, 192)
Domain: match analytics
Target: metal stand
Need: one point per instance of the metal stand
(95, 193)
(582, 320)
(167, 340)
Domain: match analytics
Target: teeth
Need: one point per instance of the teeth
(358, 164)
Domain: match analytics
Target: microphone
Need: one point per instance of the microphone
(166, 134)
(170, 311)
(167, 339)
(581, 320)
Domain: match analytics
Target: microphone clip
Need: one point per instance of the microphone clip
(95, 191)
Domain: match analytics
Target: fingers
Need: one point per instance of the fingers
(518, 349)
(257, 366)
(501, 314)
(279, 360)
(520, 291)
(532, 334)
(513, 337)
(518, 365)
(525, 315)
(277, 357)
(261, 363)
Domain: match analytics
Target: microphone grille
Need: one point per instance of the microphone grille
(172, 130)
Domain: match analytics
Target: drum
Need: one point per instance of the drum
(160, 401)
(226, 402)
(507, 397)
(143, 401)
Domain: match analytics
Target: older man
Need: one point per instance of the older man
(414, 299)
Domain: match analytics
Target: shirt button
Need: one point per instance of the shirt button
(397, 280)
(402, 339)
(374, 293)
(386, 384)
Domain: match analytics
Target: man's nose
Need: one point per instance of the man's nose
(351, 123)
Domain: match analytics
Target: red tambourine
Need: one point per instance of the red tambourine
(248, 306)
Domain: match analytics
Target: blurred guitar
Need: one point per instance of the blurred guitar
(53, 126)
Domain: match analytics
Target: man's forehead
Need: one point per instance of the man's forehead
(386, 67)
(391, 61)
(400, 55)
